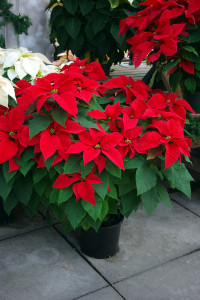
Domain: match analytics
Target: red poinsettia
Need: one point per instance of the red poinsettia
(94, 143)
(14, 136)
(170, 134)
(82, 189)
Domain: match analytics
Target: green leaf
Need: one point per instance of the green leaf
(25, 168)
(75, 212)
(170, 65)
(94, 102)
(89, 31)
(5, 187)
(126, 188)
(150, 200)
(72, 26)
(190, 84)
(194, 37)
(65, 195)
(129, 202)
(179, 177)
(145, 178)
(59, 115)
(54, 195)
(39, 174)
(75, 44)
(23, 189)
(114, 3)
(113, 169)
(32, 208)
(100, 22)
(73, 164)
(85, 170)
(41, 186)
(112, 204)
(175, 78)
(133, 163)
(7, 175)
(81, 119)
(93, 210)
(104, 210)
(163, 193)
(38, 124)
(10, 203)
(113, 192)
(190, 49)
(101, 188)
(114, 30)
(71, 6)
(85, 6)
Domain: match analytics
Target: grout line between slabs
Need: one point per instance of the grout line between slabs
(91, 265)
(186, 208)
(23, 233)
(162, 264)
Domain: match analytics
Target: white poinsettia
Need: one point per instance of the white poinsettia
(21, 62)
(6, 88)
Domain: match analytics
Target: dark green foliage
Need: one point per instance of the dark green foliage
(21, 23)
(90, 28)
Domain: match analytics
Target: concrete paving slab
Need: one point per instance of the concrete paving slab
(42, 266)
(21, 224)
(147, 242)
(107, 293)
(192, 204)
(176, 280)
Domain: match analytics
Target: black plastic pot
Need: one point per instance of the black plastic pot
(4, 218)
(104, 243)
(193, 100)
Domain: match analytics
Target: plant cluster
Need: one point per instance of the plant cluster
(167, 33)
(21, 23)
(89, 28)
(84, 149)
(19, 63)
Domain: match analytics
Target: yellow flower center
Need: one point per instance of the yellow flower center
(128, 85)
(11, 133)
(168, 137)
(128, 141)
(97, 146)
(168, 101)
(52, 130)
(54, 91)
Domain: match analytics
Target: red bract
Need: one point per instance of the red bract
(83, 189)
(111, 114)
(170, 134)
(92, 70)
(130, 142)
(82, 87)
(52, 87)
(97, 142)
(159, 27)
(14, 136)
(129, 87)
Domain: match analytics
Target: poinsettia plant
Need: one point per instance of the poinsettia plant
(86, 149)
(167, 34)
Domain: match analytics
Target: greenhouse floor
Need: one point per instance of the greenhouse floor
(159, 258)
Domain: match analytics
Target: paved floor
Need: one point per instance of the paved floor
(159, 258)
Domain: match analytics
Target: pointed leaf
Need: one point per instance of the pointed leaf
(75, 212)
(38, 124)
(145, 178)
(93, 210)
